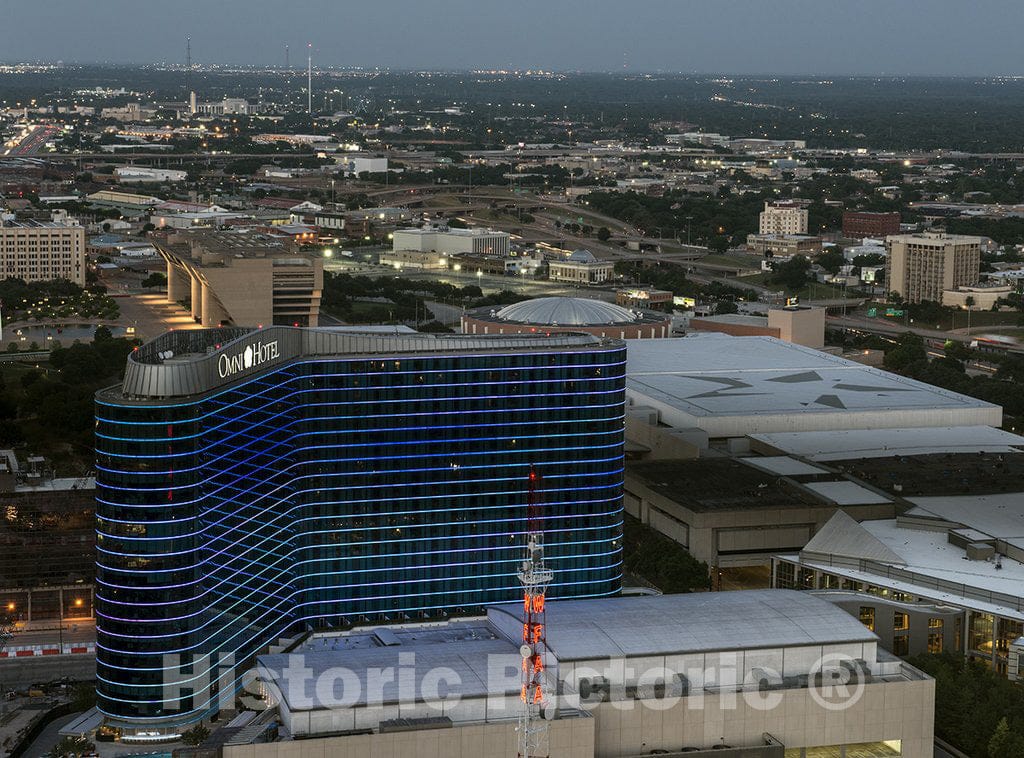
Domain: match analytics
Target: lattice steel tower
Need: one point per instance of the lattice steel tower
(535, 578)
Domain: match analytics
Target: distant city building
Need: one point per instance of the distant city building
(229, 106)
(39, 251)
(128, 202)
(143, 174)
(449, 241)
(783, 245)
(865, 224)
(783, 217)
(324, 477)
(551, 315)
(414, 259)
(984, 296)
(921, 266)
(801, 325)
(242, 278)
(358, 164)
(581, 267)
(644, 297)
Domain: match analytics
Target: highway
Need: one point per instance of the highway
(33, 141)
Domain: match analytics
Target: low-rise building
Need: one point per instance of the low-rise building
(801, 325)
(581, 267)
(644, 297)
(979, 297)
(448, 241)
(731, 387)
(858, 224)
(783, 245)
(748, 674)
(568, 314)
(242, 278)
(959, 545)
(146, 174)
(39, 251)
(413, 259)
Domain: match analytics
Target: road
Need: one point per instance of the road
(33, 141)
(20, 673)
(75, 630)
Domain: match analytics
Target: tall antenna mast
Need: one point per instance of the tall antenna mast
(188, 65)
(309, 79)
(534, 577)
(287, 63)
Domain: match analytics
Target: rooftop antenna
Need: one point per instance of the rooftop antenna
(534, 577)
(309, 79)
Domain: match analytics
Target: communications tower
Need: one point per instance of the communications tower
(535, 577)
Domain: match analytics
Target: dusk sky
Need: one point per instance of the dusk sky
(929, 37)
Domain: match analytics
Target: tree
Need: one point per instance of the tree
(196, 735)
(156, 279)
(102, 334)
(725, 306)
(909, 349)
(71, 747)
(832, 260)
(604, 234)
(1005, 743)
(719, 243)
(793, 273)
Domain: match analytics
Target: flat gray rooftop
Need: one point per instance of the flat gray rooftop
(703, 622)
(846, 444)
(296, 674)
(704, 378)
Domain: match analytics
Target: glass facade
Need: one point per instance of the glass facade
(347, 489)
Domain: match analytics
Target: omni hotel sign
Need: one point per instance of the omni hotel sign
(250, 357)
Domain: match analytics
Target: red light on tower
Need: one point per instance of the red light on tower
(534, 576)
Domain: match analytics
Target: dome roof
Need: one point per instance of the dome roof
(582, 256)
(566, 311)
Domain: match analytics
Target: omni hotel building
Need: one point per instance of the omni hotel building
(254, 484)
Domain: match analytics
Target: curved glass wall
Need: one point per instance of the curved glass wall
(341, 490)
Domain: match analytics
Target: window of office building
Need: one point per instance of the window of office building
(785, 576)
(901, 644)
(867, 617)
(900, 621)
(935, 642)
(1007, 632)
(979, 635)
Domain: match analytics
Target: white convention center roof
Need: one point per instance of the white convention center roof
(734, 386)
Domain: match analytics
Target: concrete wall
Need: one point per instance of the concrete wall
(900, 710)
(567, 738)
(802, 326)
(751, 532)
(822, 420)
(918, 617)
(659, 329)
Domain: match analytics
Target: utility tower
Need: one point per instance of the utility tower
(188, 65)
(534, 577)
